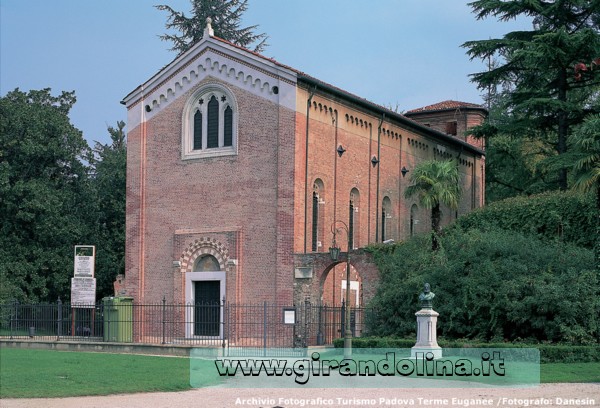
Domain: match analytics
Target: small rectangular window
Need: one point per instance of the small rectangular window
(451, 128)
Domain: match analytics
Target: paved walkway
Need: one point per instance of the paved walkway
(546, 395)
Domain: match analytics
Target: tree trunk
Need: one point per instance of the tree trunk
(563, 127)
(436, 215)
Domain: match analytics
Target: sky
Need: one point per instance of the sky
(402, 54)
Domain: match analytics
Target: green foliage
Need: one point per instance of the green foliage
(55, 194)
(491, 285)
(542, 99)
(42, 194)
(435, 182)
(108, 221)
(552, 216)
(225, 15)
(516, 165)
(586, 141)
(376, 342)
(27, 373)
(549, 353)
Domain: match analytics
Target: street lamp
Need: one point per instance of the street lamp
(334, 253)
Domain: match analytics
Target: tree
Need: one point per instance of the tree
(225, 15)
(43, 190)
(435, 183)
(587, 167)
(515, 164)
(108, 224)
(545, 97)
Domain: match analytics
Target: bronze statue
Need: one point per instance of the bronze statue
(426, 297)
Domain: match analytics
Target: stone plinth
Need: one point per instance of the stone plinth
(427, 333)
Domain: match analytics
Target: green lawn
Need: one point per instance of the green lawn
(570, 372)
(45, 373)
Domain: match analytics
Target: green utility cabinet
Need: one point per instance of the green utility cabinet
(118, 319)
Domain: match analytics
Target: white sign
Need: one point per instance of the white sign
(289, 316)
(83, 292)
(85, 256)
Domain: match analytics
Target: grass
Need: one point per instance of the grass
(570, 372)
(48, 373)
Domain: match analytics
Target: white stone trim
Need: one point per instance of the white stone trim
(211, 57)
(187, 123)
(190, 278)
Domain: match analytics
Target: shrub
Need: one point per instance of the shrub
(549, 353)
(491, 285)
(552, 216)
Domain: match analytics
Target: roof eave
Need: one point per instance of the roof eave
(471, 108)
(182, 58)
(388, 113)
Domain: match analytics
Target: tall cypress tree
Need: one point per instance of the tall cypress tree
(225, 15)
(544, 97)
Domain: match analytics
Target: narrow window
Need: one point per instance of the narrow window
(351, 226)
(228, 127)
(213, 124)
(315, 221)
(383, 224)
(413, 220)
(197, 130)
(451, 128)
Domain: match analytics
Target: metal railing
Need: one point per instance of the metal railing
(220, 324)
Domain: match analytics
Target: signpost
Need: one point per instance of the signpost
(83, 286)
(83, 292)
(85, 256)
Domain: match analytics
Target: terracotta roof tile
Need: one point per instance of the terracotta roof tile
(445, 105)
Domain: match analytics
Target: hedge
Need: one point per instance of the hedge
(549, 353)
(492, 286)
(567, 216)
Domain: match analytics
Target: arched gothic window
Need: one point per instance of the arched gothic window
(413, 219)
(386, 215)
(353, 227)
(210, 123)
(317, 217)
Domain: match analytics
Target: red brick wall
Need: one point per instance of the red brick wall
(464, 117)
(249, 209)
(394, 145)
(249, 193)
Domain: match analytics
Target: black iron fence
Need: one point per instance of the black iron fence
(213, 324)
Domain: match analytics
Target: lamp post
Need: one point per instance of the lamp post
(334, 253)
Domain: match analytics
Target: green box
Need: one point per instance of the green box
(118, 319)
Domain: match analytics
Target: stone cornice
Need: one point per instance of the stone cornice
(219, 60)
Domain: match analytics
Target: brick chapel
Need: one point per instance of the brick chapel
(240, 168)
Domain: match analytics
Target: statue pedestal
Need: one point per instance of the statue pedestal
(426, 334)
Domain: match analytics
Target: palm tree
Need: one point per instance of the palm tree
(435, 183)
(587, 165)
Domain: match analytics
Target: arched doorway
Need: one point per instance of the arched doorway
(333, 297)
(205, 288)
(333, 286)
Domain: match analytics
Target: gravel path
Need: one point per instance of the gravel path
(546, 395)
